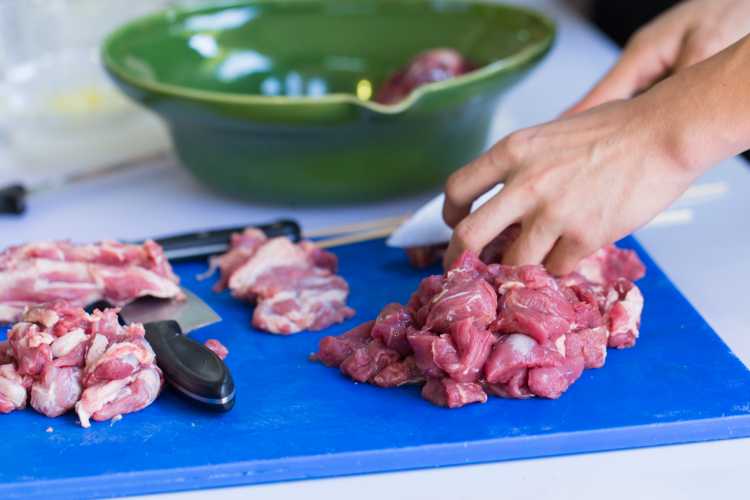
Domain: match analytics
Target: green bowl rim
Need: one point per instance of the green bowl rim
(485, 72)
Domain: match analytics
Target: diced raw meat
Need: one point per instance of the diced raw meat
(591, 344)
(12, 389)
(119, 361)
(313, 302)
(404, 372)
(243, 246)
(465, 294)
(518, 351)
(47, 272)
(217, 347)
(451, 394)
(430, 66)
(463, 354)
(334, 350)
(543, 313)
(391, 327)
(367, 361)
(514, 332)
(107, 400)
(294, 285)
(609, 264)
(623, 317)
(57, 390)
(64, 354)
(421, 257)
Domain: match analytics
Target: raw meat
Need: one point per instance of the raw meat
(430, 66)
(217, 347)
(46, 272)
(61, 358)
(294, 286)
(513, 332)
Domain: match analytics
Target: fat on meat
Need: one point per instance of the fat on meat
(47, 272)
(13, 389)
(58, 355)
(217, 348)
(483, 328)
(294, 286)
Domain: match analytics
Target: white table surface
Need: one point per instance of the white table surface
(706, 258)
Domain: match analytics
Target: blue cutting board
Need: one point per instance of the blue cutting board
(295, 419)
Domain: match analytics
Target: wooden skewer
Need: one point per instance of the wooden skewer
(373, 234)
(357, 226)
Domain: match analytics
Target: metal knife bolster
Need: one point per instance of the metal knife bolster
(205, 243)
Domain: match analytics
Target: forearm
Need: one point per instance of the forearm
(704, 112)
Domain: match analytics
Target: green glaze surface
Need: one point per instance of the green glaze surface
(269, 101)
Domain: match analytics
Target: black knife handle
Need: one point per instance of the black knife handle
(13, 199)
(204, 243)
(191, 367)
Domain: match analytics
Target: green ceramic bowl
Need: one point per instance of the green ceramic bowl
(268, 99)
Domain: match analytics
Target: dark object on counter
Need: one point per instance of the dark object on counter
(13, 199)
(428, 67)
(215, 241)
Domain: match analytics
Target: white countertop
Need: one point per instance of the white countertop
(706, 259)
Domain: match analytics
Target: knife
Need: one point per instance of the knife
(205, 243)
(189, 366)
(426, 226)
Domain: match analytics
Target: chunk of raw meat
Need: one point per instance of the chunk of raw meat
(119, 361)
(367, 361)
(451, 394)
(391, 327)
(609, 264)
(57, 390)
(515, 352)
(464, 294)
(334, 350)
(623, 316)
(63, 354)
(12, 389)
(514, 332)
(542, 313)
(405, 372)
(294, 286)
(217, 348)
(47, 272)
(107, 400)
(430, 66)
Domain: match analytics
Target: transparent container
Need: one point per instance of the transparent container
(58, 107)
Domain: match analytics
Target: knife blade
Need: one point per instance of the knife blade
(426, 226)
(191, 314)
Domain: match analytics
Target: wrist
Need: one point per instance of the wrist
(702, 115)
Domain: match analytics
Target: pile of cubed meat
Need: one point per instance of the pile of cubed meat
(45, 272)
(513, 332)
(294, 286)
(58, 357)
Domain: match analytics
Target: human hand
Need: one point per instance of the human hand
(573, 184)
(683, 36)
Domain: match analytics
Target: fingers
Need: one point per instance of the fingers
(537, 238)
(473, 180)
(639, 66)
(567, 253)
(478, 229)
